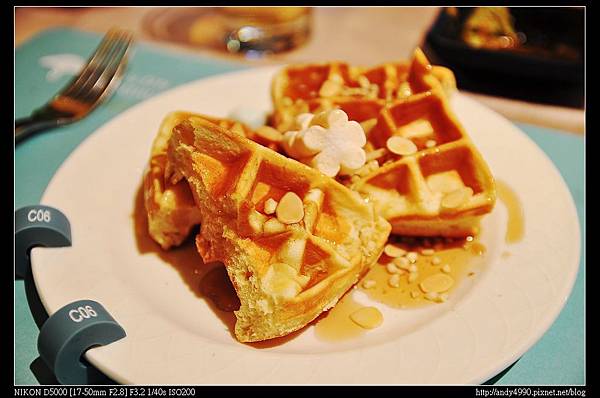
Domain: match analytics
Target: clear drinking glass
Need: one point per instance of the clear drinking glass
(248, 31)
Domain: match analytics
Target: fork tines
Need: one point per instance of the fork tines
(102, 67)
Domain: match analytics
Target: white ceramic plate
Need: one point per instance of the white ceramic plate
(174, 337)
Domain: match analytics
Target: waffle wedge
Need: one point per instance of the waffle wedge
(170, 206)
(289, 262)
(441, 186)
(360, 92)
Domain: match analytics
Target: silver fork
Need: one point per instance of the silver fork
(95, 82)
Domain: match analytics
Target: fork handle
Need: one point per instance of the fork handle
(30, 125)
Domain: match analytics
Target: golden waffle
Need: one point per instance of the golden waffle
(170, 207)
(285, 273)
(398, 99)
(360, 92)
(442, 188)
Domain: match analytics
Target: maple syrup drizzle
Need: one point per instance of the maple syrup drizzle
(516, 220)
(336, 325)
(216, 286)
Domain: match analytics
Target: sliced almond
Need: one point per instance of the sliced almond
(270, 206)
(369, 283)
(336, 78)
(273, 226)
(416, 128)
(238, 129)
(373, 91)
(456, 198)
(393, 251)
(368, 125)
(401, 146)
(314, 195)
(330, 88)
(392, 268)
(445, 182)
(369, 147)
(303, 120)
(269, 133)
(292, 252)
(328, 118)
(312, 203)
(394, 280)
(403, 263)
(430, 143)
(433, 296)
(412, 256)
(437, 283)
(290, 209)
(363, 81)
(260, 190)
(256, 221)
(404, 90)
(282, 280)
(376, 154)
(367, 317)
(311, 213)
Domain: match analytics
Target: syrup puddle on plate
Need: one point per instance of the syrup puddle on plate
(216, 286)
(455, 259)
(450, 261)
(336, 324)
(464, 259)
(186, 260)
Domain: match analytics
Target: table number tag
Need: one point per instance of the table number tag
(38, 226)
(70, 332)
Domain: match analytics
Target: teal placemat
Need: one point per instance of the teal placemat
(45, 63)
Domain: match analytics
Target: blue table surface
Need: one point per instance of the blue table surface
(46, 62)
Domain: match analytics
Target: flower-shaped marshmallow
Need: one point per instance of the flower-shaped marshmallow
(327, 141)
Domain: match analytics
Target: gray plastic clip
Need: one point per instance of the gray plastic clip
(70, 332)
(38, 226)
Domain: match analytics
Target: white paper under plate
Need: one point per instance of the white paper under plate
(174, 337)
